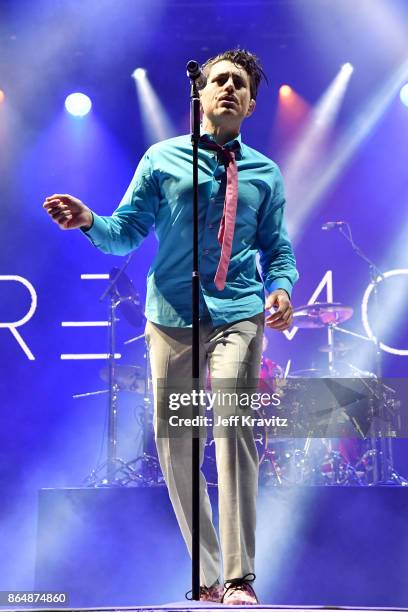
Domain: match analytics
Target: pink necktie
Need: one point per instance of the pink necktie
(227, 225)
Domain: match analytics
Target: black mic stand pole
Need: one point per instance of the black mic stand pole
(195, 282)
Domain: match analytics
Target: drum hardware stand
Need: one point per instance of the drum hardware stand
(337, 328)
(362, 375)
(334, 455)
(343, 472)
(274, 472)
(115, 300)
(383, 470)
(121, 294)
(150, 468)
(112, 463)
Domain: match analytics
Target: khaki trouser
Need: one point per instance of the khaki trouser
(232, 352)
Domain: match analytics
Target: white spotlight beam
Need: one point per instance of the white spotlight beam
(329, 104)
(348, 144)
(404, 94)
(78, 104)
(157, 124)
(305, 159)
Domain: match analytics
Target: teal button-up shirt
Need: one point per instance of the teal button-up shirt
(160, 194)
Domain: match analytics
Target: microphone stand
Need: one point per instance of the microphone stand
(115, 300)
(383, 472)
(195, 365)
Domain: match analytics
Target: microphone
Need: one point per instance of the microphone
(195, 73)
(329, 225)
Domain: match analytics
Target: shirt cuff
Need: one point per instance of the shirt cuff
(97, 232)
(90, 227)
(279, 283)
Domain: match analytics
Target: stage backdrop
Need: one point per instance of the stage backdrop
(352, 167)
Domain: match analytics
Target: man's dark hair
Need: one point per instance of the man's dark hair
(244, 59)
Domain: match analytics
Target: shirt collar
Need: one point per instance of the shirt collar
(229, 144)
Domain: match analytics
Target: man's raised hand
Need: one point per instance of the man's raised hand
(68, 212)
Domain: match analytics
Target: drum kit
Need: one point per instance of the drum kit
(355, 449)
(355, 454)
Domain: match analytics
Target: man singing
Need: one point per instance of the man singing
(241, 210)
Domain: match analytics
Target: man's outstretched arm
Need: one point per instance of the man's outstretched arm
(126, 228)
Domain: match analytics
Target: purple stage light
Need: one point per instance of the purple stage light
(78, 104)
(404, 94)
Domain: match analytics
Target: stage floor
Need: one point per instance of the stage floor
(174, 607)
(322, 547)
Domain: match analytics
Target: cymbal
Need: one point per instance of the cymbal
(321, 314)
(126, 377)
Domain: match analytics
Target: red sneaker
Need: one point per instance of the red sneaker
(239, 592)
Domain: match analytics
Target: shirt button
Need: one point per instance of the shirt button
(212, 200)
(205, 252)
(211, 226)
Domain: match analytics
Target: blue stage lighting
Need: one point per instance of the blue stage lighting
(404, 94)
(78, 104)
